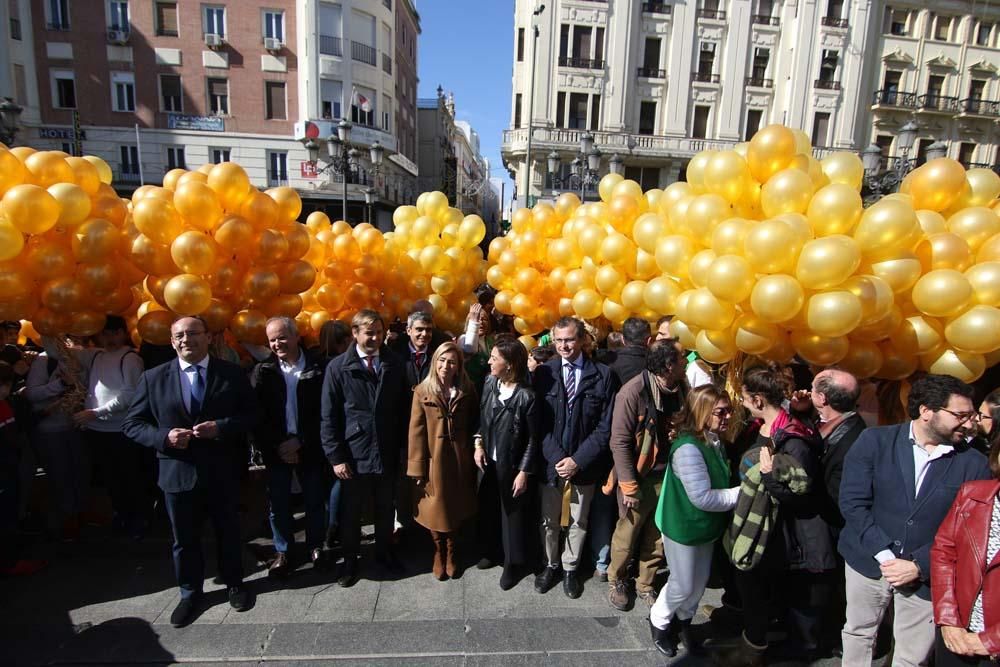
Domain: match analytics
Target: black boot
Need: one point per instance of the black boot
(665, 640)
(687, 636)
(743, 655)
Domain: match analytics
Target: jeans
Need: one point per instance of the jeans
(603, 519)
(333, 507)
(279, 491)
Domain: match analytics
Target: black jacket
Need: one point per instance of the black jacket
(835, 448)
(582, 433)
(627, 362)
(511, 428)
(363, 418)
(271, 431)
(158, 406)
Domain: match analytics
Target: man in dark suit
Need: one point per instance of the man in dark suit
(576, 398)
(195, 412)
(364, 390)
(288, 385)
(898, 484)
(630, 360)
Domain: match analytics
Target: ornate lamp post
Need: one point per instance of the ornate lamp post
(879, 181)
(584, 169)
(343, 159)
(10, 112)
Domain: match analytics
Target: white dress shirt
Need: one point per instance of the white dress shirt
(187, 380)
(291, 373)
(376, 362)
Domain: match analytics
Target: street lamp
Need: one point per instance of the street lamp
(531, 100)
(584, 169)
(936, 150)
(879, 181)
(10, 112)
(616, 164)
(369, 200)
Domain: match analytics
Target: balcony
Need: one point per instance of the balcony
(387, 63)
(57, 25)
(704, 77)
(568, 140)
(651, 73)
(712, 14)
(760, 19)
(937, 103)
(581, 63)
(759, 82)
(363, 53)
(974, 106)
(330, 45)
(834, 22)
(128, 174)
(656, 8)
(894, 98)
(825, 84)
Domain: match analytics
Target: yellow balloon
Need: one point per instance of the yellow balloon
(12, 171)
(944, 251)
(699, 267)
(834, 313)
(632, 296)
(753, 334)
(937, 183)
(30, 208)
(731, 278)
(990, 250)
(660, 295)
(818, 349)
(614, 312)
(103, 170)
(74, 203)
(931, 222)
(985, 280)
(609, 281)
(875, 295)
(607, 185)
(900, 274)
(706, 311)
(863, 359)
(95, 241)
(975, 224)
(788, 191)
(289, 203)
(828, 261)
(48, 168)
(845, 168)
(687, 335)
(695, 172)
(471, 231)
(648, 230)
(587, 304)
(984, 184)
(157, 219)
(834, 209)
(772, 246)
(728, 237)
(887, 226)
(616, 249)
(231, 183)
(673, 254)
(716, 347)
(770, 151)
(728, 175)
(942, 293)
(704, 213)
(194, 252)
(976, 330)
(777, 298)
(198, 204)
(965, 366)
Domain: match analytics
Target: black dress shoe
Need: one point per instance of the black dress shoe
(689, 640)
(390, 563)
(183, 613)
(349, 573)
(664, 640)
(509, 577)
(572, 586)
(547, 579)
(485, 563)
(239, 598)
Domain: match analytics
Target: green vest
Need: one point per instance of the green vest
(676, 517)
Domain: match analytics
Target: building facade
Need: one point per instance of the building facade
(154, 85)
(657, 82)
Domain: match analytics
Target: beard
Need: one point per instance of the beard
(945, 435)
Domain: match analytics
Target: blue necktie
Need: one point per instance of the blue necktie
(197, 390)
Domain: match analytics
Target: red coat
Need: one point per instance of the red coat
(958, 563)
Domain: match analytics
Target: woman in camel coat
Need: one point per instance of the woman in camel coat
(443, 420)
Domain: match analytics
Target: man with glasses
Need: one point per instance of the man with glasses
(898, 484)
(195, 412)
(640, 445)
(575, 421)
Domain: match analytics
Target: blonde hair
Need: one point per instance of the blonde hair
(698, 411)
(432, 385)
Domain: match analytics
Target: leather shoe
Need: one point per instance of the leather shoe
(279, 567)
(239, 598)
(349, 573)
(485, 563)
(664, 640)
(545, 581)
(509, 577)
(390, 563)
(572, 586)
(183, 613)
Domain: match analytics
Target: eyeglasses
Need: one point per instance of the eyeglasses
(181, 335)
(963, 417)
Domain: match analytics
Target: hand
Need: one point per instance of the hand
(630, 502)
(766, 461)
(520, 484)
(178, 438)
(206, 431)
(900, 572)
(955, 639)
(84, 417)
(975, 644)
(290, 446)
(343, 471)
(480, 458)
(567, 468)
(474, 311)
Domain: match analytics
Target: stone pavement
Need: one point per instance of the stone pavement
(108, 601)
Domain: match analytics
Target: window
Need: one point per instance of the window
(761, 57)
(765, 7)
(171, 95)
(331, 99)
(983, 33)
(884, 143)
(647, 117)
(966, 151)
(821, 129)
(563, 41)
(828, 66)
(218, 97)
(277, 173)
(706, 58)
(175, 158)
(595, 111)
(386, 113)
(214, 20)
(940, 27)
(15, 20)
(835, 9)
(129, 160)
(166, 19)
(651, 55)
(754, 117)
(218, 155)
(699, 128)
(58, 14)
(896, 21)
(63, 89)
(599, 45)
(118, 15)
(20, 85)
(520, 45)
(647, 177)
(274, 100)
(363, 107)
(935, 86)
(922, 146)
(977, 88)
(577, 111)
(274, 25)
(560, 109)
(123, 91)
(517, 110)
(330, 30)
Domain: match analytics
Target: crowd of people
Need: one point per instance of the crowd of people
(800, 491)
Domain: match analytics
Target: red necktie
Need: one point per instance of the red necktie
(370, 359)
(418, 359)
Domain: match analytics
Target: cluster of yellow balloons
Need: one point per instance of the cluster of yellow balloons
(432, 253)
(768, 251)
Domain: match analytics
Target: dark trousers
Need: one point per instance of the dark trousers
(756, 587)
(809, 595)
(945, 658)
(506, 523)
(353, 493)
(127, 471)
(9, 483)
(187, 510)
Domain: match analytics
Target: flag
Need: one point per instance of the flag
(360, 101)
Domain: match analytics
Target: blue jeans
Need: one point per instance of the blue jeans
(279, 491)
(603, 518)
(333, 507)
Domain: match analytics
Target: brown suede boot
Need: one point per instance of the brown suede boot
(437, 569)
(451, 560)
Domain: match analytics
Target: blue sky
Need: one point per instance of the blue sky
(467, 48)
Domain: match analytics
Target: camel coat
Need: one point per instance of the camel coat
(441, 452)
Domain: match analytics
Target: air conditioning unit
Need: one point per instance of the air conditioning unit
(118, 36)
(214, 41)
(273, 44)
